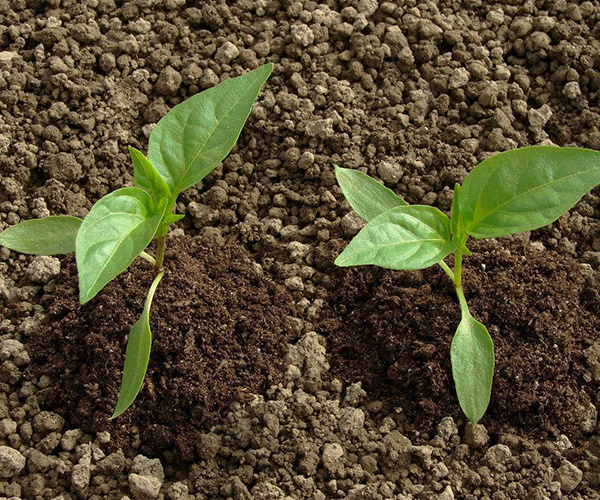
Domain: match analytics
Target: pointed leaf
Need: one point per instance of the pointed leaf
(456, 220)
(195, 136)
(527, 188)
(410, 237)
(457, 224)
(137, 355)
(118, 227)
(169, 219)
(365, 195)
(49, 236)
(472, 357)
(147, 178)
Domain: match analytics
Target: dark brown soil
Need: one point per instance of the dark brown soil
(392, 330)
(220, 331)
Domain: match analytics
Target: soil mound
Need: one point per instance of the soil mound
(220, 327)
(392, 331)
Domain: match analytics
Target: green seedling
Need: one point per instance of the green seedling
(511, 192)
(184, 147)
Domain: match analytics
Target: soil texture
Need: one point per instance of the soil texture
(392, 330)
(220, 329)
(414, 93)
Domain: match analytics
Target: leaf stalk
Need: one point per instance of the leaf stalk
(447, 269)
(147, 257)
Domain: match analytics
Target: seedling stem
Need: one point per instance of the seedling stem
(161, 244)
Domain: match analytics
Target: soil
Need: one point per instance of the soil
(414, 93)
(392, 330)
(220, 333)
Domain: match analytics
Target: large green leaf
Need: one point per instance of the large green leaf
(147, 178)
(195, 136)
(49, 236)
(472, 357)
(137, 355)
(409, 237)
(526, 188)
(118, 227)
(366, 196)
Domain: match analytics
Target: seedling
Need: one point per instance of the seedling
(184, 147)
(511, 192)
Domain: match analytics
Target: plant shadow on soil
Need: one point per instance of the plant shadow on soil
(392, 331)
(220, 334)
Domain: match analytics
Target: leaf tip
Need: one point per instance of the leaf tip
(340, 261)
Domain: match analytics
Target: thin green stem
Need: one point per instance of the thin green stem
(148, 257)
(446, 269)
(458, 255)
(161, 245)
(462, 300)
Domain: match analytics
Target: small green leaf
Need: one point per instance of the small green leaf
(365, 195)
(171, 218)
(195, 136)
(118, 227)
(525, 189)
(456, 223)
(472, 357)
(408, 237)
(137, 355)
(456, 220)
(49, 236)
(147, 178)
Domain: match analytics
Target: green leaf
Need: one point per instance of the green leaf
(147, 178)
(525, 189)
(472, 357)
(137, 355)
(456, 220)
(49, 236)
(118, 227)
(195, 136)
(171, 218)
(365, 195)
(457, 225)
(409, 237)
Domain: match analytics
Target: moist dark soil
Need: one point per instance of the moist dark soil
(220, 327)
(392, 330)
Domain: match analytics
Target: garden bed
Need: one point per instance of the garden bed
(361, 404)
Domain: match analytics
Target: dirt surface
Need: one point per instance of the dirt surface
(220, 333)
(392, 330)
(414, 93)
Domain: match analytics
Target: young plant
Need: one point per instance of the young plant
(184, 147)
(511, 192)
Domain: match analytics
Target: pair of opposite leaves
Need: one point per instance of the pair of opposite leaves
(186, 145)
(511, 192)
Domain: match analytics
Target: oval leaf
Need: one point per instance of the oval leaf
(472, 357)
(410, 237)
(195, 136)
(525, 189)
(147, 178)
(365, 195)
(118, 227)
(137, 355)
(49, 236)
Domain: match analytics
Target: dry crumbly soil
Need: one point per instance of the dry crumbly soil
(414, 94)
